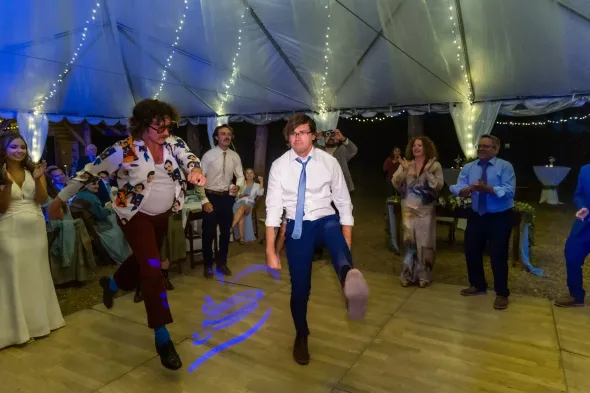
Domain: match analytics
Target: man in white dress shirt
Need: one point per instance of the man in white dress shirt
(220, 164)
(304, 181)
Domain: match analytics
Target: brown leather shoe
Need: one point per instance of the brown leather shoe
(223, 269)
(300, 351)
(356, 291)
(568, 301)
(471, 291)
(501, 303)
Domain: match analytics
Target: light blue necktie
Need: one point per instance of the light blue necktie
(482, 207)
(300, 200)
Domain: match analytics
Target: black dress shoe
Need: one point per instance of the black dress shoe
(107, 294)
(224, 270)
(208, 272)
(168, 355)
(300, 351)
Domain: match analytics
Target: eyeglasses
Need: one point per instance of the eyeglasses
(484, 146)
(297, 134)
(161, 129)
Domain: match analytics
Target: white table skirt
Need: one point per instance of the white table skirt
(550, 177)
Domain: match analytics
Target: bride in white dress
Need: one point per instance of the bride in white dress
(28, 303)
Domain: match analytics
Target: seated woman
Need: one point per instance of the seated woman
(245, 200)
(56, 181)
(111, 236)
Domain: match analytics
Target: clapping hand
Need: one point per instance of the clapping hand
(405, 164)
(6, 175)
(40, 170)
(482, 187)
(429, 164)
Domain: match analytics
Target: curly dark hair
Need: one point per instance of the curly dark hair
(297, 120)
(146, 111)
(5, 140)
(427, 146)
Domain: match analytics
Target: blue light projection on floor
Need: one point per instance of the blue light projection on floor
(218, 317)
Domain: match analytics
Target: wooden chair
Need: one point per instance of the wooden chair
(452, 224)
(191, 235)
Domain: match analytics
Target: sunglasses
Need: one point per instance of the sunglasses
(161, 129)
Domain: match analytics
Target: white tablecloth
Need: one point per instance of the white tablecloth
(550, 177)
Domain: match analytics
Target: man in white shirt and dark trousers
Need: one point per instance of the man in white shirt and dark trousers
(304, 181)
(221, 163)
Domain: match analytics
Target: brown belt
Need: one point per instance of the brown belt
(220, 193)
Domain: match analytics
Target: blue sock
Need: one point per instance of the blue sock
(162, 335)
(113, 285)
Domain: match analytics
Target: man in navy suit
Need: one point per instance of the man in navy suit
(577, 246)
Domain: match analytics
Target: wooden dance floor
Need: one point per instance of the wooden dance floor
(412, 340)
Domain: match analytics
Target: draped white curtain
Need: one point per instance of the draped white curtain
(34, 129)
(472, 122)
(325, 121)
(213, 122)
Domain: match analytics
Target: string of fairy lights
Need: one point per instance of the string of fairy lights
(458, 42)
(40, 104)
(171, 56)
(12, 127)
(324, 81)
(541, 122)
(469, 135)
(462, 60)
(231, 81)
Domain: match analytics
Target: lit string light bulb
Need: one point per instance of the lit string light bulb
(541, 122)
(368, 120)
(11, 127)
(174, 45)
(40, 105)
(458, 44)
(227, 85)
(324, 81)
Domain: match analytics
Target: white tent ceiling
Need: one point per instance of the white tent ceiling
(382, 52)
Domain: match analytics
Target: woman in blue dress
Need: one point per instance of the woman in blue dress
(246, 199)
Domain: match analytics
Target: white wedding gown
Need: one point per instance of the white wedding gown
(28, 303)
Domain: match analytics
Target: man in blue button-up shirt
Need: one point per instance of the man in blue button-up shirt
(490, 182)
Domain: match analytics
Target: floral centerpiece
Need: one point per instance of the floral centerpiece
(551, 161)
(461, 162)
